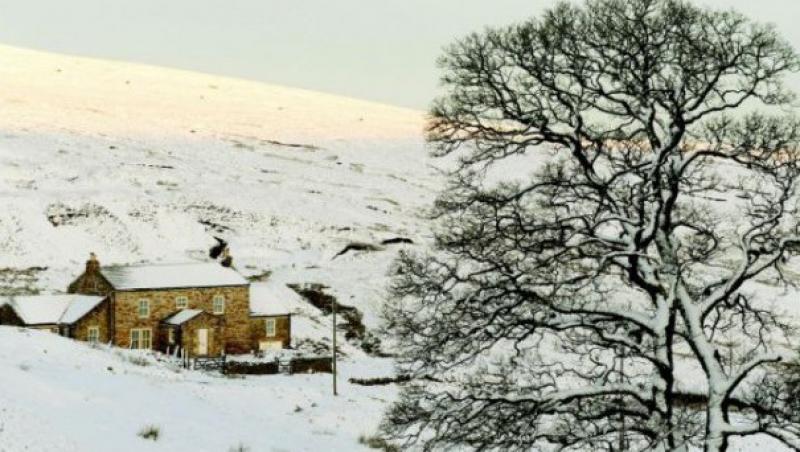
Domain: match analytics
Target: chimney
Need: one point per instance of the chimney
(92, 265)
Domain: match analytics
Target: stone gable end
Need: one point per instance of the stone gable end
(97, 317)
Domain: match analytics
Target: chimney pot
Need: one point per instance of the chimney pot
(92, 265)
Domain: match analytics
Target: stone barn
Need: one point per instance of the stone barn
(83, 317)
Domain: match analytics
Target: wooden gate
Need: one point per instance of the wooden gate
(209, 363)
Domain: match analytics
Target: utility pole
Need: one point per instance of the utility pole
(333, 359)
(622, 445)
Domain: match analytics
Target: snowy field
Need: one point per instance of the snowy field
(61, 395)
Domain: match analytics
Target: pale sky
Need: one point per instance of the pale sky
(382, 50)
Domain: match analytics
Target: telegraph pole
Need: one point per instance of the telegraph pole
(333, 358)
(622, 445)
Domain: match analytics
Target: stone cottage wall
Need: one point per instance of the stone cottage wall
(235, 320)
(283, 333)
(216, 334)
(97, 317)
(91, 282)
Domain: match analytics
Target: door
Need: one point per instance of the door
(202, 342)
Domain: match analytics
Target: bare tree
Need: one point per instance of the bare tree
(563, 308)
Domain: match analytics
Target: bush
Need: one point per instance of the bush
(138, 361)
(371, 344)
(376, 442)
(239, 448)
(151, 432)
(777, 393)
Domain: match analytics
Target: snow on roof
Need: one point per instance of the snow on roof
(171, 276)
(79, 307)
(52, 309)
(182, 316)
(273, 299)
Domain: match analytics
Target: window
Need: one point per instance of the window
(181, 302)
(144, 308)
(171, 336)
(219, 304)
(141, 339)
(93, 334)
(270, 326)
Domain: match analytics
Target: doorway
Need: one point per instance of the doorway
(201, 349)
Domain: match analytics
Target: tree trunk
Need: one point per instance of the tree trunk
(716, 440)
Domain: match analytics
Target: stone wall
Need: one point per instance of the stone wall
(97, 317)
(216, 334)
(283, 330)
(91, 282)
(236, 320)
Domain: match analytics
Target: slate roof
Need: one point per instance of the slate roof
(52, 309)
(171, 276)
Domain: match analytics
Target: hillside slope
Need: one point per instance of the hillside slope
(139, 163)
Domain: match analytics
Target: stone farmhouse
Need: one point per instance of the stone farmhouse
(195, 309)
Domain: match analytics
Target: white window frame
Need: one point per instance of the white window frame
(181, 302)
(138, 336)
(271, 327)
(93, 334)
(143, 313)
(221, 300)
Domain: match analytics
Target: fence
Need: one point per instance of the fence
(206, 363)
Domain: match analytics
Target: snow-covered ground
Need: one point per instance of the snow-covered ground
(61, 395)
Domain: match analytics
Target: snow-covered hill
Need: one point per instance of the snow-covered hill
(139, 163)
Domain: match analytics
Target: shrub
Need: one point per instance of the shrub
(371, 344)
(138, 361)
(151, 432)
(376, 442)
